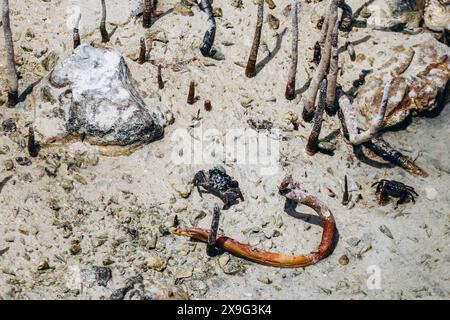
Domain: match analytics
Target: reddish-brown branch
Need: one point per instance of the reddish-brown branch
(313, 140)
(276, 259)
(147, 16)
(191, 94)
(250, 70)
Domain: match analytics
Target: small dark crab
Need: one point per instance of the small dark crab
(394, 189)
(220, 184)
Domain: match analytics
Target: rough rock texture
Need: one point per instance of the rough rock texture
(390, 13)
(422, 71)
(90, 94)
(437, 15)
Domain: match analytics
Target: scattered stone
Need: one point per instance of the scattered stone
(217, 12)
(271, 4)
(385, 230)
(273, 22)
(67, 185)
(23, 161)
(264, 279)
(198, 286)
(156, 263)
(343, 260)
(183, 10)
(96, 275)
(184, 273)
(96, 100)
(75, 247)
(50, 61)
(437, 15)
(8, 164)
(43, 265)
(394, 13)
(9, 126)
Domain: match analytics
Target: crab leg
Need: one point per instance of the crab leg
(271, 258)
(210, 34)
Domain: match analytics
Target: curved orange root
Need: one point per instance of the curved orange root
(271, 258)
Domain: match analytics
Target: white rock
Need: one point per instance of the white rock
(91, 93)
(437, 15)
(390, 13)
(431, 193)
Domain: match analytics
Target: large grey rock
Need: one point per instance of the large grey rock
(421, 67)
(390, 13)
(90, 94)
(437, 15)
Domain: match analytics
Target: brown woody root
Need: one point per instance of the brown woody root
(250, 70)
(147, 15)
(276, 259)
(309, 97)
(290, 87)
(387, 152)
(103, 32)
(311, 146)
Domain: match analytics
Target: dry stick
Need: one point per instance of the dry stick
(76, 33)
(309, 98)
(348, 111)
(250, 70)
(313, 141)
(210, 34)
(276, 259)
(104, 33)
(381, 147)
(142, 52)
(147, 16)
(211, 245)
(191, 94)
(31, 146)
(290, 87)
(333, 72)
(345, 197)
(11, 73)
(160, 80)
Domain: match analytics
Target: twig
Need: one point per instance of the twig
(76, 33)
(147, 15)
(142, 52)
(191, 94)
(250, 70)
(288, 190)
(211, 245)
(385, 150)
(31, 146)
(311, 146)
(160, 80)
(345, 197)
(208, 38)
(309, 97)
(104, 33)
(11, 72)
(333, 72)
(290, 87)
(356, 137)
